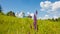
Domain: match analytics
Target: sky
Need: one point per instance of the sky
(46, 9)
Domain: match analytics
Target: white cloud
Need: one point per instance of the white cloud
(19, 15)
(45, 5)
(42, 4)
(16, 14)
(46, 17)
(51, 7)
(28, 13)
(56, 5)
(31, 14)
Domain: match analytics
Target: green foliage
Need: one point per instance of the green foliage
(10, 13)
(1, 13)
(59, 18)
(0, 9)
(13, 25)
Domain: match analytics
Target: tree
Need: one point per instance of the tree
(23, 14)
(10, 13)
(29, 16)
(54, 19)
(1, 10)
(59, 19)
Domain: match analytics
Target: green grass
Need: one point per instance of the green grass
(13, 25)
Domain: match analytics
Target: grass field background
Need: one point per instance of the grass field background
(13, 25)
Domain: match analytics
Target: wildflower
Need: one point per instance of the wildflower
(35, 20)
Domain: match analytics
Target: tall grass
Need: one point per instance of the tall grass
(13, 25)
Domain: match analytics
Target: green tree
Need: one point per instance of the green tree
(53, 19)
(59, 19)
(23, 14)
(1, 10)
(10, 13)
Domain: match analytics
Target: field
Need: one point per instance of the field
(13, 25)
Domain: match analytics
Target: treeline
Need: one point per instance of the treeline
(55, 20)
(11, 13)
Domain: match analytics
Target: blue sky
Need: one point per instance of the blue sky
(24, 5)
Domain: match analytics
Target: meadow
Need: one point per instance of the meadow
(14, 25)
